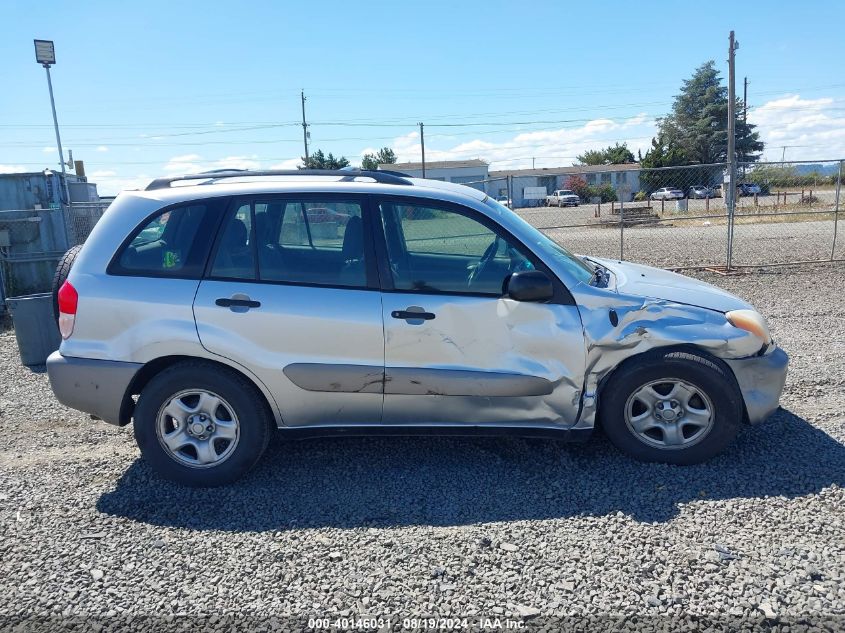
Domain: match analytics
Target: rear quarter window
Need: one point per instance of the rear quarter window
(172, 243)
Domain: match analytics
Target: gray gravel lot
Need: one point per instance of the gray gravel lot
(529, 529)
(672, 245)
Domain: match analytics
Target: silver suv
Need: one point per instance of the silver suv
(213, 308)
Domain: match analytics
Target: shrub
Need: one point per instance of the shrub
(579, 186)
(640, 196)
(606, 192)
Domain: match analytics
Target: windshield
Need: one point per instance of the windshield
(550, 251)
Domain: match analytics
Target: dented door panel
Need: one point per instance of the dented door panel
(482, 360)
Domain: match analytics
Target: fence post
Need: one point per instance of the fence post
(836, 210)
(621, 229)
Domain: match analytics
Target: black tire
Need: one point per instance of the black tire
(60, 276)
(239, 393)
(710, 377)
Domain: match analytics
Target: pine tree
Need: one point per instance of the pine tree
(696, 129)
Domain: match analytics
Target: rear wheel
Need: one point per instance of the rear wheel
(672, 407)
(200, 425)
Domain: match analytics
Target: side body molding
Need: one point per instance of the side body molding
(414, 381)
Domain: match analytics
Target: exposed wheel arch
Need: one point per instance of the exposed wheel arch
(675, 407)
(157, 365)
(660, 351)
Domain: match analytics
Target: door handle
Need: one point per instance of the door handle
(411, 314)
(237, 303)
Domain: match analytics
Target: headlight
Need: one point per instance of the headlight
(750, 321)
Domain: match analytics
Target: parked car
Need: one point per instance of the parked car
(221, 327)
(667, 193)
(563, 198)
(504, 200)
(747, 189)
(700, 192)
(318, 215)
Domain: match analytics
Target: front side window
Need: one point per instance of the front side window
(295, 241)
(547, 249)
(169, 244)
(445, 250)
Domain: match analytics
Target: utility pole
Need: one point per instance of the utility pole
(731, 188)
(304, 128)
(422, 147)
(532, 162)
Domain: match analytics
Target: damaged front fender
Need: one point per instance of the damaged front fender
(619, 326)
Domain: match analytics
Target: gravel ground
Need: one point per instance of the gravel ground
(555, 535)
(670, 244)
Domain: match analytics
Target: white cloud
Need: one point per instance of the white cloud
(186, 158)
(111, 183)
(102, 148)
(49, 150)
(12, 169)
(237, 162)
(291, 163)
(184, 164)
(809, 128)
(549, 148)
(194, 163)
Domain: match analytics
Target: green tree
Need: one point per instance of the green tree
(696, 133)
(318, 160)
(610, 155)
(385, 156)
(660, 155)
(696, 129)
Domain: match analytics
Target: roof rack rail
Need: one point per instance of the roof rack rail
(383, 177)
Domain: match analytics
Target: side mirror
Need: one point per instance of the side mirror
(530, 285)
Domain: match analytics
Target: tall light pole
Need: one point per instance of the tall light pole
(45, 54)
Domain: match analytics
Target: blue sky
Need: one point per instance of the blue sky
(145, 89)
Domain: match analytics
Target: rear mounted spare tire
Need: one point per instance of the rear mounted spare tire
(59, 278)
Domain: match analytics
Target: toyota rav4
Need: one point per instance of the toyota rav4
(237, 303)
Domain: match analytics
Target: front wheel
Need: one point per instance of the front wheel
(201, 425)
(671, 407)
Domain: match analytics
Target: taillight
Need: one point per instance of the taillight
(68, 301)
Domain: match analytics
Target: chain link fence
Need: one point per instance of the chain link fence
(33, 240)
(80, 218)
(680, 217)
(787, 213)
(672, 217)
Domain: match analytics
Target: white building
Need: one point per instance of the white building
(458, 171)
(623, 178)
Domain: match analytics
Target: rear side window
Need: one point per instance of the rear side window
(300, 241)
(173, 243)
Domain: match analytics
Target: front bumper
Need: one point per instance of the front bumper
(98, 387)
(761, 380)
